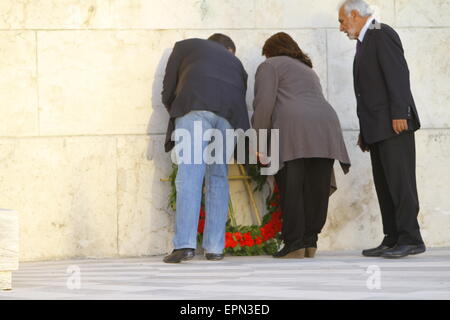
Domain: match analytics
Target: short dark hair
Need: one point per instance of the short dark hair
(223, 40)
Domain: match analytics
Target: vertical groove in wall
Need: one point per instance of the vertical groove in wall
(395, 13)
(326, 64)
(255, 8)
(117, 195)
(38, 124)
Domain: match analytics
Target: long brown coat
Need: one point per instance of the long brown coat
(289, 97)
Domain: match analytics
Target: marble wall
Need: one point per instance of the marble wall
(9, 247)
(81, 135)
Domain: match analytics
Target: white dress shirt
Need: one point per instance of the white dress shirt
(363, 31)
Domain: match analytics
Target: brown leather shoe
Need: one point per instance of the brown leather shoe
(287, 253)
(296, 254)
(294, 250)
(310, 252)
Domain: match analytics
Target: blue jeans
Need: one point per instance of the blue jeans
(189, 183)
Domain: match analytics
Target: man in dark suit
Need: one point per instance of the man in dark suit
(388, 119)
(204, 87)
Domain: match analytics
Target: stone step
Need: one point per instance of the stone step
(9, 247)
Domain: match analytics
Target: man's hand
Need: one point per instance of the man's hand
(399, 125)
(364, 147)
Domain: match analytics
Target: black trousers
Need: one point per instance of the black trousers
(394, 174)
(305, 189)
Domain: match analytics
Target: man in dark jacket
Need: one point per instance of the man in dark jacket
(204, 90)
(388, 119)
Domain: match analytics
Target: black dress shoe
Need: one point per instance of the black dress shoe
(376, 252)
(401, 251)
(284, 251)
(214, 256)
(179, 255)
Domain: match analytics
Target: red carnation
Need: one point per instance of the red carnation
(201, 226)
(275, 189)
(229, 242)
(248, 239)
(202, 212)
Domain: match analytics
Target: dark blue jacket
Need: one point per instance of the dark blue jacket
(204, 75)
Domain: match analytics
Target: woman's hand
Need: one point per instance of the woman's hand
(262, 159)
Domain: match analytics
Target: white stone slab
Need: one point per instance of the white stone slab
(419, 13)
(18, 83)
(102, 82)
(145, 222)
(9, 246)
(433, 174)
(9, 240)
(293, 14)
(116, 14)
(5, 280)
(341, 95)
(65, 190)
(176, 14)
(426, 51)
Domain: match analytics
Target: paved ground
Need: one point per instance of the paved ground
(331, 275)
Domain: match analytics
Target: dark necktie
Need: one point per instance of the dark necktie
(358, 47)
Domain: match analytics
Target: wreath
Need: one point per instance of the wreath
(241, 240)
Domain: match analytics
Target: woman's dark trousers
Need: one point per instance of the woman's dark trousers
(305, 189)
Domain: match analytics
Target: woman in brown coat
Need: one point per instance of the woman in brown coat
(289, 97)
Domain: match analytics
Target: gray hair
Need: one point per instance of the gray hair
(361, 6)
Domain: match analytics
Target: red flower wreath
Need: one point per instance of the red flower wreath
(245, 240)
(252, 240)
